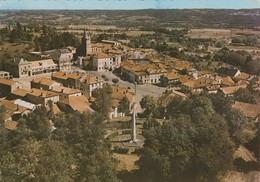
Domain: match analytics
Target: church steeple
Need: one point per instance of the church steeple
(86, 43)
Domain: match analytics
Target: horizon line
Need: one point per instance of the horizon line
(132, 9)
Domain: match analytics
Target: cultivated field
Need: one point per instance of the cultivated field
(220, 33)
(210, 33)
(92, 27)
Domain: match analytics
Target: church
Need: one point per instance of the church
(99, 60)
(87, 47)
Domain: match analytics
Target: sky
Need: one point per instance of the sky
(128, 4)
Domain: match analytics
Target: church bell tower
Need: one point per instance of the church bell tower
(86, 43)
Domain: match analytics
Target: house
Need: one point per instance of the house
(75, 103)
(27, 105)
(102, 62)
(4, 74)
(199, 85)
(84, 82)
(227, 82)
(114, 43)
(89, 84)
(249, 110)
(10, 125)
(168, 96)
(243, 76)
(230, 91)
(18, 94)
(118, 95)
(204, 74)
(13, 111)
(18, 67)
(65, 92)
(61, 57)
(44, 83)
(142, 73)
(43, 66)
(179, 65)
(7, 86)
(43, 97)
(256, 84)
(231, 72)
(137, 55)
(170, 79)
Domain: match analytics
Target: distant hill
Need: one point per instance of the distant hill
(192, 18)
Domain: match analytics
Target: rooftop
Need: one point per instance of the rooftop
(4, 81)
(78, 103)
(65, 90)
(101, 55)
(249, 110)
(232, 90)
(44, 81)
(20, 92)
(42, 93)
(10, 125)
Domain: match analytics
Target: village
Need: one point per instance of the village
(134, 90)
(71, 90)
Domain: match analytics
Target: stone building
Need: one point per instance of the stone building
(18, 67)
(62, 57)
(7, 86)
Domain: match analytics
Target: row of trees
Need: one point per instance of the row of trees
(197, 142)
(247, 40)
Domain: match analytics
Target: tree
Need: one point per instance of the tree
(149, 103)
(103, 103)
(195, 144)
(237, 123)
(167, 152)
(39, 123)
(244, 95)
(115, 80)
(37, 161)
(124, 106)
(85, 137)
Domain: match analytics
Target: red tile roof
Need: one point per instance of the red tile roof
(249, 110)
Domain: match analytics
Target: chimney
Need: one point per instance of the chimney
(17, 107)
(42, 94)
(62, 90)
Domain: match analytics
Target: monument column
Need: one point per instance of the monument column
(133, 134)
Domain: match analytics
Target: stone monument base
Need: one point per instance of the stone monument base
(131, 143)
